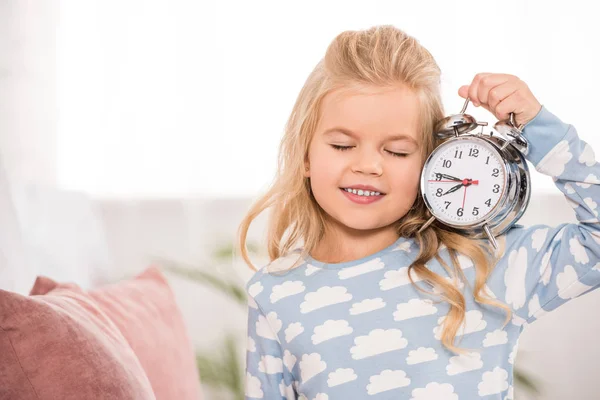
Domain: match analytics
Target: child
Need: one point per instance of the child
(369, 307)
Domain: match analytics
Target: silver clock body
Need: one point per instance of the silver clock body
(515, 184)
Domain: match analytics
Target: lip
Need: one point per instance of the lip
(362, 199)
(363, 187)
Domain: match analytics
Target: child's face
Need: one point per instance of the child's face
(377, 123)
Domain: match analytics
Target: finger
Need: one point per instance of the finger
(463, 91)
(498, 93)
(474, 87)
(487, 83)
(513, 103)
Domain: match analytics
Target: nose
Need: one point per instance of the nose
(368, 162)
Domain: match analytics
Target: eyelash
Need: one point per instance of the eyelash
(344, 148)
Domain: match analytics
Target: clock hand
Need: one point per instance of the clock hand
(446, 176)
(453, 189)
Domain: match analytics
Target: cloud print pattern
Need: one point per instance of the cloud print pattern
(360, 330)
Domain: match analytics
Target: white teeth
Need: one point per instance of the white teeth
(360, 192)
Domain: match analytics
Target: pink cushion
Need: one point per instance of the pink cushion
(145, 311)
(62, 345)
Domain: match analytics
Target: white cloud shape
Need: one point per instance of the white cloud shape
(588, 181)
(255, 289)
(473, 322)
(331, 329)
(459, 284)
(404, 246)
(569, 189)
(378, 341)
(270, 365)
(493, 382)
(293, 330)
(513, 354)
(251, 345)
(435, 391)
(366, 267)
(321, 396)
(252, 302)
(568, 284)
(323, 297)
(268, 327)
(587, 156)
(340, 376)
(511, 393)
(578, 251)
(287, 288)
(488, 291)
(289, 360)
(387, 380)
(538, 238)
(252, 385)
(464, 261)
(414, 308)
(514, 277)
(311, 365)
(311, 269)
(397, 278)
(534, 305)
(284, 263)
(554, 162)
(421, 355)
(464, 363)
(495, 338)
(546, 268)
(286, 391)
(517, 320)
(593, 206)
(367, 305)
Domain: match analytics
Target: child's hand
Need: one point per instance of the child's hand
(502, 94)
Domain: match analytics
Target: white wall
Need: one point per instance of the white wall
(28, 114)
(185, 97)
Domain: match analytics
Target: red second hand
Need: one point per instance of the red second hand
(464, 197)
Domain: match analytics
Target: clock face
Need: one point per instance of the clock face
(463, 181)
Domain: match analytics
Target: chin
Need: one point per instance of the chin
(364, 225)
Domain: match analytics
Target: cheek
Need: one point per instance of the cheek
(408, 178)
(325, 165)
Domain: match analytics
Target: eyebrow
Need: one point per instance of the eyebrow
(352, 134)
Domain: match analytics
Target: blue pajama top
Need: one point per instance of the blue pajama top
(360, 330)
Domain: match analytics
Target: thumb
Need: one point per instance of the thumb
(463, 91)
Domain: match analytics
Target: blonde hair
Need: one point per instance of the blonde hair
(382, 56)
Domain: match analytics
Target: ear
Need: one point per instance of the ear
(306, 169)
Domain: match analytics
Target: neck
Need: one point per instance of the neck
(341, 245)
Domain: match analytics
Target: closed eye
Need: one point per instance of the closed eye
(343, 148)
(397, 154)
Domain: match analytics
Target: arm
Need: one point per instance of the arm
(547, 266)
(267, 377)
(544, 267)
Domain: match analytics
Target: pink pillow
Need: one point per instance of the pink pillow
(145, 311)
(63, 346)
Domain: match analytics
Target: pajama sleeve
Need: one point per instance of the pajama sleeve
(543, 267)
(267, 377)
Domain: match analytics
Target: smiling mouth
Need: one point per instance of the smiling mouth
(362, 192)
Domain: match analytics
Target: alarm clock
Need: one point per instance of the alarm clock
(478, 184)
